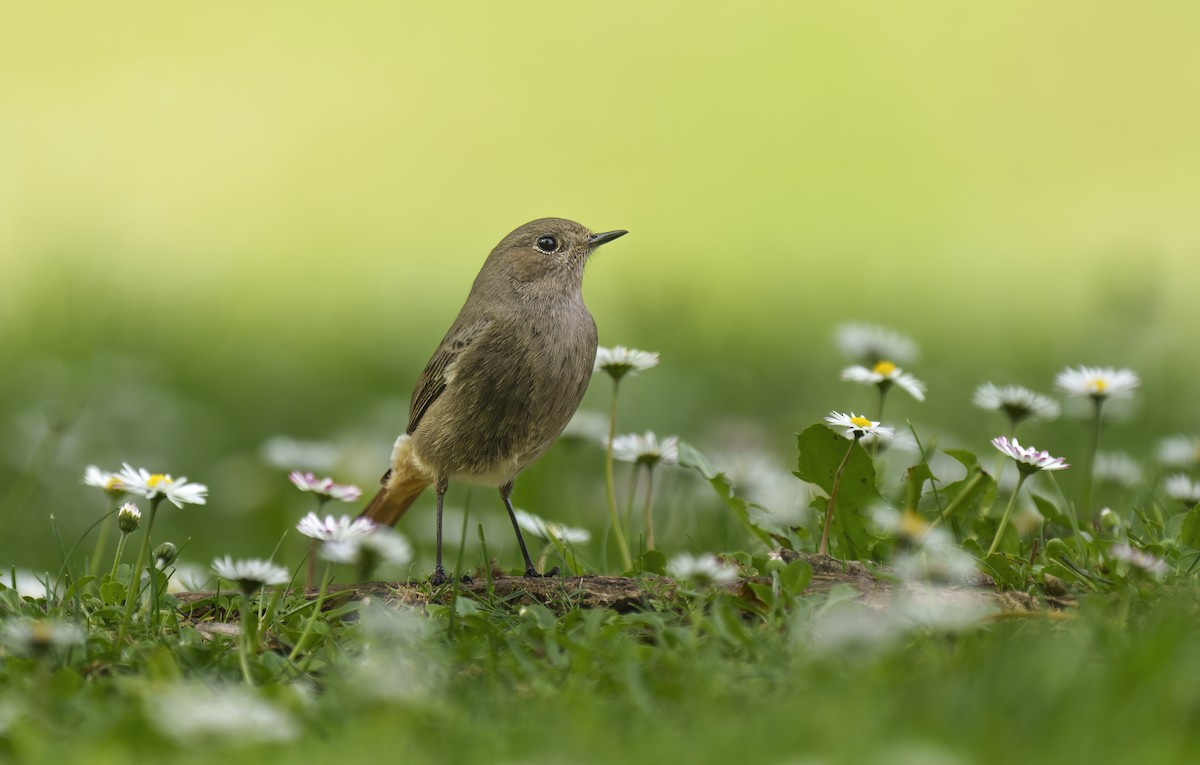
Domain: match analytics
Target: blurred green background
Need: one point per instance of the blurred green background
(223, 222)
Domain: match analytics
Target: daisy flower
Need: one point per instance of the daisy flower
(540, 527)
(885, 374)
(293, 454)
(251, 575)
(36, 637)
(702, 570)
(102, 479)
(1098, 382)
(871, 344)
(646, 449)
(324, 488)
(156, 485)
(331, 528)
(858, 427)
(1138, 559)
(1183, 489)
(1179, 451)
(368, 551)
(587, 426)
(620, 361)
(1118, 468)
(1028, 458)
(1018, 402)
(199, 714)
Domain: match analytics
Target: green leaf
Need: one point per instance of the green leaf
(690, 457)
(915, 479)
(821, 453)
(965, 458)
(795, 577)
(1189, 532)
(1050, 511)
(112, 592)
(77, 586)
(653, 562)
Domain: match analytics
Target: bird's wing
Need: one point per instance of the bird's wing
(441, 366)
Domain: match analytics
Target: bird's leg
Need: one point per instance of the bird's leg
(530, 570)
(439, 573)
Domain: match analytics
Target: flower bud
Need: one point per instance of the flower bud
(165, 554)
(128, 518)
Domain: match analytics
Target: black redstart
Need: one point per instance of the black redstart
(506, 378)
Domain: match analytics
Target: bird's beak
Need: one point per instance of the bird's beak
(595, 240)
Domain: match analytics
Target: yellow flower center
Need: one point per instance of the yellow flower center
(860, 422)
(1097, 385)
(158, 478)
(885, 368)
(911, 524)
(112, 483)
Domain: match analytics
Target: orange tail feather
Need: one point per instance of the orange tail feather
(392, 502)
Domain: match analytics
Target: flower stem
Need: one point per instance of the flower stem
(649, 511)
(312, 619)
(311, 570)
(1089, 472)
(633, 483)
(823, 549)
(120, 552)
(102, 538)
(249, 618)
(884, 387)
(1012, 501)
(610, 483)
(133, 594)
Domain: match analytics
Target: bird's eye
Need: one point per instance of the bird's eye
(547, 244)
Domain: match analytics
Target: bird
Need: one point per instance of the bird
(504, 381)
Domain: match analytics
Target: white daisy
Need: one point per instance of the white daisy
(1028, 458)
(26, 583)
(129, 517)
(154, 485)
(102, 479)
(34, 637)
(1118, 468)
(332, 528)
(324, 487)
(540, 527)
(1138, 559)
(368, 551)
(620, 361)
(587, 426)
(1179, 451)
(646, 449)
(188, 577)
(199, 713)
(1098, 382)
(870, 344)
(858, 427)
(292, 454)
(702, 570)
(1018, 402)
(251, 575)
(886, 374)
(1182, 488)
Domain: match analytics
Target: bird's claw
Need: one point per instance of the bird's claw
(532, 573)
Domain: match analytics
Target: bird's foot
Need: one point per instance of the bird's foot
(532, 573)
(440, 577)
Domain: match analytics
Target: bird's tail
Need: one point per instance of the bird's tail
(402, 484)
